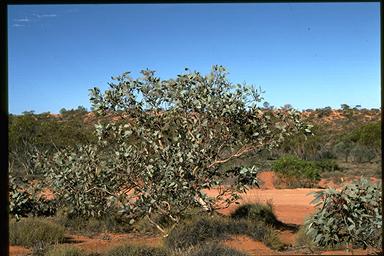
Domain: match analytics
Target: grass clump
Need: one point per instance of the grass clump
(65, 251)
(199, 231)
(145, 227)
(304, 240)
(30, 232)
(215, 249)
(255, 213)
(134, 250)
(90, 226)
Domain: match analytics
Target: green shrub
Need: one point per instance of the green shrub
(216, 250)
(327, 165)
(256, 212)
(362, 154)
(65, 251)
(295, 167)
(24, 199)
(352, 216)
(134, 250)
(31, 231)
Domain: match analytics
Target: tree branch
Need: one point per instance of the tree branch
(240, 152)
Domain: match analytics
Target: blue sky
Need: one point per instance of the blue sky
(307, 55)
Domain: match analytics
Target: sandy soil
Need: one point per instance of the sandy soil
(291, 206)
(248, 245)
(18, 251)
(104, 242)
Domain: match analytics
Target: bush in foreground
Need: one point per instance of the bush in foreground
(31, 231)
(350, 217)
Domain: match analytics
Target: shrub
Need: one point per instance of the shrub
(361, 154)
(24, 199)
(295, 167)
(65, 251)
(352, 216)
(255, 213)
(31, 231)
(215, 249)
(179, 134)
(134, 250)
(327, 165)
(325, 155)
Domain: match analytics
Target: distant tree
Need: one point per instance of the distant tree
(345, 148)
(323, 112)
(27, 113)
(82, 109)
(357, 107)
(345, 107)
(266, 105)
(62, 111)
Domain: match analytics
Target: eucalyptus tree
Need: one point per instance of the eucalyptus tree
(162, 143)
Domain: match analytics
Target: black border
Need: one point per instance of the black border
(4, 235)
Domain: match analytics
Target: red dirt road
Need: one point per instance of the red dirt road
(290, 205)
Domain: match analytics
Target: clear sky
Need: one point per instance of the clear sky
(307, 55)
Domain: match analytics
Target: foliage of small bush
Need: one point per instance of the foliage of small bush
(135, 250)
(295, 167)
(327, 165)
(31, 231)
(352, 216)
(293, 172)
(24, 199)
(65, 250)
(215, 249)
(255, 213)
(362, 154)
